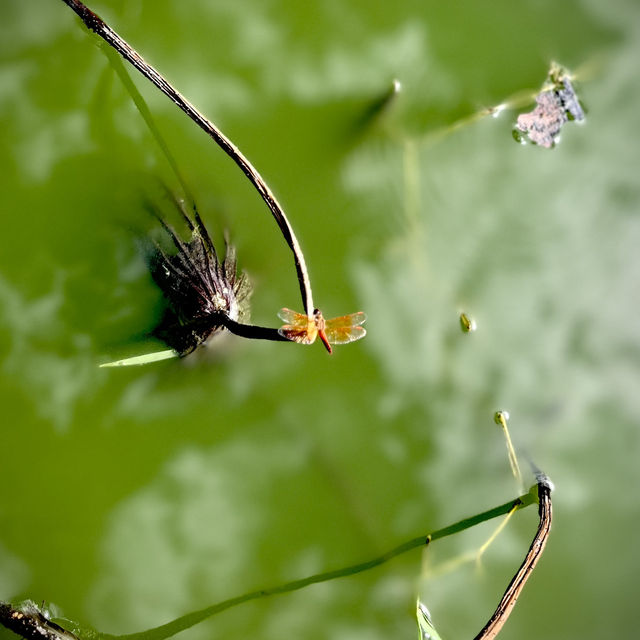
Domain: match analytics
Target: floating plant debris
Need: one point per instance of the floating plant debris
(556, 104)
(305, 329)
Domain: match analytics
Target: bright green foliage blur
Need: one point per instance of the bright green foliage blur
(133, 496)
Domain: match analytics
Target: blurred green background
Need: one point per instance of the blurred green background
(133, 496)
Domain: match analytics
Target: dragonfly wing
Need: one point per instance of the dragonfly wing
(295, 334)
(350, 320)
(344, 335)
(293, 317)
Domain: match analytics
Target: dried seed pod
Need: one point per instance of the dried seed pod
(202, 292)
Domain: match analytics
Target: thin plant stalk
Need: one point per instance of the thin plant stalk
(501, 418)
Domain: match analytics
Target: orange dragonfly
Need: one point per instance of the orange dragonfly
(305, 329)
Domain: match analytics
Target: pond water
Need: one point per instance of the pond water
(133, 496)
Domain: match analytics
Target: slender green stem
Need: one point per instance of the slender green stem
(189, 620)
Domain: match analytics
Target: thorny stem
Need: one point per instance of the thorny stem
(94, 23)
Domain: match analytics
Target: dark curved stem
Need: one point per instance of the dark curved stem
(253, 331)
(94, 23)
(508, 600)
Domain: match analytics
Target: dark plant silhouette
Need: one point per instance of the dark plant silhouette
(202, 291)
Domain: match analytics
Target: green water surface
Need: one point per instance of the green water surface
(133, 496)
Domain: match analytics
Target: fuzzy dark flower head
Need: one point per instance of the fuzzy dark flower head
(200, 289)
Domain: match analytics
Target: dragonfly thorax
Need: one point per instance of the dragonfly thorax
(318, 320)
